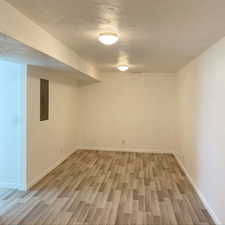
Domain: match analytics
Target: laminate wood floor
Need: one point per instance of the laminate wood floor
(107, 188)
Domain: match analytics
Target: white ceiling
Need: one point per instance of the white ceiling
(15, 51)
(155, 35)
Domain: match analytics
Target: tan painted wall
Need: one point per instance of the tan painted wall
(139, 109)
(50, 141)
(201, 110)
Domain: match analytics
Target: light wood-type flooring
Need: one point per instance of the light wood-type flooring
(107, 188)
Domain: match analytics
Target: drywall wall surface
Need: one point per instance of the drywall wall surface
(201, 110)
(13, 125)
(50, 141)
(129, 112)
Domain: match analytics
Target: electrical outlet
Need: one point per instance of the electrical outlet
(123, 142)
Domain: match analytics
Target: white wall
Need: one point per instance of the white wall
(50, 141)
(201, 95)
(13, 125)
(139, 109)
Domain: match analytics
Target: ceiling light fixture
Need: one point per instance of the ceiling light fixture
(108, 38)
(123, 68)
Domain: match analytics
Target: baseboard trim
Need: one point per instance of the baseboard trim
(141, 150)
(201, 196)
(17, 186)
(46, 172)
(22, 187)
(8, 185)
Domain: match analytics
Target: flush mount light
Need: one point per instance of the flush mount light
(108, 38)
(123, 68)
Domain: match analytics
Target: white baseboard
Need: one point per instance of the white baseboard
(22, 187)
(125, 149)
(46, 172)
(8, 185)
(17, 186)
(201, 196)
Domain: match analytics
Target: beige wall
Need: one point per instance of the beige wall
(50, 141)
(201, 91)
(139, 109)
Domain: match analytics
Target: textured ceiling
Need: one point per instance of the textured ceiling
(155, 35)
(15, 51)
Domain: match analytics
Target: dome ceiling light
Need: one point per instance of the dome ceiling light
(108, 38)
(123, 68)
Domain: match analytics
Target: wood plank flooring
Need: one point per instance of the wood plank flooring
(107, 188)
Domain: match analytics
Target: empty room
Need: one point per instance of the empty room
(112, 112)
